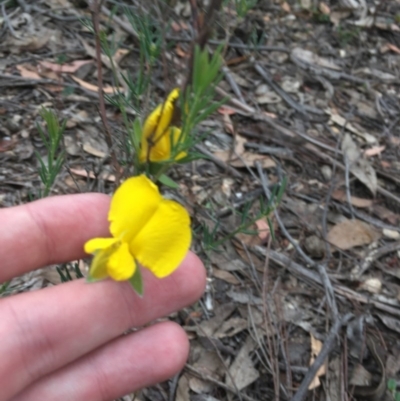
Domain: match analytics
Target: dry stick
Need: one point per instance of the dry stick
(232, 83)
(319, 360)
(321, 269)
(312, 278)
(7, 21)
(287, 98)
(271, 342)
(365, 217)
(347, 183)
(374, 255)
(95, 10)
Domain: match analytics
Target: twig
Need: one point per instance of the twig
(232, 83)
(285, 97)
(8, 22)
(95, 10)
(310, 277)
(270, 150)
(319, 360)
(373, 256)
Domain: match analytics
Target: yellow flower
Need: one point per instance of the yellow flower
(145, 228)
(158, 135)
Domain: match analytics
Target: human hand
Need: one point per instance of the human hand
(65, 342)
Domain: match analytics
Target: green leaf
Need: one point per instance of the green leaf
(397, 397)
(136, 281)
(164, 179)
(192, 156)
(391, 384)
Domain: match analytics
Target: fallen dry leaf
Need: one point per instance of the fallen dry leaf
(342, 122)
(226, 110)
(246, 158)
(340, 196)
(316, 347)
(68, 68)
(242, 370)
(324, 8)
(178, 26)
(393, 48)
(351, 233)
(84, 173)
(180, 52)
(88, 148)
(231, 327)
(359, 166)
(94, 88)
(228, 125)
(376, 150)
(225, 276)
(372, 285)
(28, 71)
(286, 7)
(182, 391)
(262, 228)
(6, 144)
(360, 376)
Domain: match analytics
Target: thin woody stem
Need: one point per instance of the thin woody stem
(95, 10)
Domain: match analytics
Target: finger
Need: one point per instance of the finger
(48, 231)
(44, 330)
(122, 366)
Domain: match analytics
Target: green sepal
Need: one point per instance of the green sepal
(90, 279)
(169, 182)
(136, 281)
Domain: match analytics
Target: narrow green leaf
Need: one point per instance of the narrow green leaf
(164, 179)
(136, 281)
(391, 384)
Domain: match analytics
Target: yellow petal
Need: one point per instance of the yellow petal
(121, 264)
(161, 150)
(149, 133)
(96, 244)
(176, 132)
(167, 112)
(164, 241)
(155, 143)
(132, 205)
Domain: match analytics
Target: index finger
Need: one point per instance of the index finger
(49, 231)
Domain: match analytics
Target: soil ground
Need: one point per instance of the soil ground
(314, 97)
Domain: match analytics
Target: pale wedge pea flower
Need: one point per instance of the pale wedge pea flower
(145, 228)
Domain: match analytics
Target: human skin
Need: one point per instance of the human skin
(66, 342)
